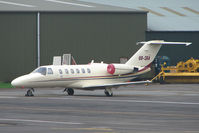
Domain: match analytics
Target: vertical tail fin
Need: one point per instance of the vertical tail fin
(146, 54)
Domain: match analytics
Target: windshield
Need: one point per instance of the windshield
(41, 70)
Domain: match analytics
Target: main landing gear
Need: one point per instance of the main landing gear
(29, 92)
(70, 91)
(108, 92)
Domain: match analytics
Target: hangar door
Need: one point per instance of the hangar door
(18, 44)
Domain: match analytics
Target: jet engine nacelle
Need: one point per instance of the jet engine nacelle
(119, 69)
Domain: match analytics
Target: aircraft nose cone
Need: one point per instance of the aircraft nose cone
(16, 83)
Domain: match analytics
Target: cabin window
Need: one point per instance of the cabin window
(72, 71)
(77, 70)
(41, 70)
(50, 71)
(83, 70)
(66, 71)
(60, 71)
(88, 70)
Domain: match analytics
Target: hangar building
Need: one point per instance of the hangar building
(169, 20)
(32, 32)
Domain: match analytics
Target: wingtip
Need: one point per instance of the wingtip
(189, 43)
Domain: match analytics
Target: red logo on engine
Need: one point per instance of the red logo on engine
(111, 69)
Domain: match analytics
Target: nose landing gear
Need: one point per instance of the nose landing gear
(29, 92)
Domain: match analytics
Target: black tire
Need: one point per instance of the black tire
(70, 91)
(29, 93)
(108, 94)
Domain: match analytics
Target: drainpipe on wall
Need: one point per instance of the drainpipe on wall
(38, 39)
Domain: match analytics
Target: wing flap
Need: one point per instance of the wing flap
(117, 84)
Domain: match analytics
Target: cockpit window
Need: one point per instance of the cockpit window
(41, 70)
(50, 71)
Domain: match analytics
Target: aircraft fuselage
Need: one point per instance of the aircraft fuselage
(76, 76)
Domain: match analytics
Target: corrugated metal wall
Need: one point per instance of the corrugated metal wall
(18, 44)
(177, 53)
(100, 36)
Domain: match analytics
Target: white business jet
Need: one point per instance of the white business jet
(94, 75)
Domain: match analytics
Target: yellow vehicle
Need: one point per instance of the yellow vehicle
(183, 72)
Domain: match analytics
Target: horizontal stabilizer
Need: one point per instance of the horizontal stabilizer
(146, 54)
(165, 43)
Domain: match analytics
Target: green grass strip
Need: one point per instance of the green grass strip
(5, 85)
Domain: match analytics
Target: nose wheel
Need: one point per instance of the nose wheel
(70, 91)
(108, 92)
(29, 92)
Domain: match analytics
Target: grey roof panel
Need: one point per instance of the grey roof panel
(164, 15)
(59, 5)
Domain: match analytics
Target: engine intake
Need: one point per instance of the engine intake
(111, 69)
(120, 69)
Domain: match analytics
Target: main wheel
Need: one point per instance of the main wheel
(70, 91)
(108, 94)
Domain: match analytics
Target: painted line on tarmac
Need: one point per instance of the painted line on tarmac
(87, 129)
(41, 121)
(130, 101)
(107, 100)
(9, 97)
(85, 112)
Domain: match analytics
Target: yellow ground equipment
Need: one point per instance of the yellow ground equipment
(183, 72)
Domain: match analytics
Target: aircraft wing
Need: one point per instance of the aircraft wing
(117, 84)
